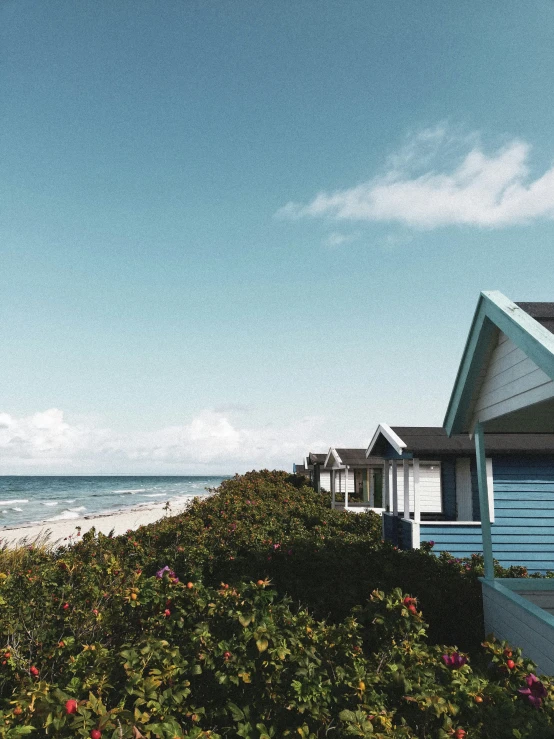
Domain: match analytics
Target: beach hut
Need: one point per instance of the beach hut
(320, 478)
(355, 480)
(505, 384)
(442, 497)
(302, 469)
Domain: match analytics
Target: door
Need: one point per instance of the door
(464, 498)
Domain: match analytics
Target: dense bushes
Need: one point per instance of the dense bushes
(183, 629)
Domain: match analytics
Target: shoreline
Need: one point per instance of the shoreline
(64, 532)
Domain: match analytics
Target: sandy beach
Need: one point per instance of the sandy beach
(61, 533)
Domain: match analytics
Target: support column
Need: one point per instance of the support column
(406, 466)
(386, 489)
(417, 502)
(346, 488)
(395, 487)
(371, 483)
(333, 490)
(484, 501)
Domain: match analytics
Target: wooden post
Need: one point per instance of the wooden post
(333, 493)
(386, 491)
(371, 483)
(484, 501)
(346, 488)
(406, 466)
(417, 511)
(394, 487)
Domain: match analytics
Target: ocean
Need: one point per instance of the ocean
(36, 499)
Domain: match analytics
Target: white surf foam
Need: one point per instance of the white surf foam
(10, 502)
(64, 516)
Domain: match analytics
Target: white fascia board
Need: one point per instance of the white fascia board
(394, 440)
(338, 460)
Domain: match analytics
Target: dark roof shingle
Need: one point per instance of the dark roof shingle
(541, 312)
(434, 440)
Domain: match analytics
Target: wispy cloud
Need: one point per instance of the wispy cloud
(336, 238)
(441, 178)
(208, 442)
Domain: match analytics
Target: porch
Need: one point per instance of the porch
(356, 482)
(459, 538)
(521, 611)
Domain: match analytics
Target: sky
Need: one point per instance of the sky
(232, 233)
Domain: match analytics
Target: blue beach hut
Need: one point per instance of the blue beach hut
(505, 384)
(433, 477)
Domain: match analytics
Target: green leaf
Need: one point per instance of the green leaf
(236, 712)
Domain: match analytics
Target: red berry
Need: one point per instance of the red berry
(190, 585)
(227, 655)
(408, 601)
(34, 671)
(510, 664)
(65, 606)
(71, 706)
(412, 608)
(167, 612)
(459, 734)
(95, 734)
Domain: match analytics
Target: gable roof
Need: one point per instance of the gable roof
(351, 458)
(541, 312)
(433, 440)
(314, 458)
(527, 325)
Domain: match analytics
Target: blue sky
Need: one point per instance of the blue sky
(231, 233)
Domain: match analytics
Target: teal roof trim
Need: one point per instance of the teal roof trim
(494, 311)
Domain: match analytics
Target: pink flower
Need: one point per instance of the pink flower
(535, 690)
(170, 573)
(455, 660)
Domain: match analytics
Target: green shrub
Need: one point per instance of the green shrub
(250, 615)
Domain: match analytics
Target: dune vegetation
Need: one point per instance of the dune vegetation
(259, 612)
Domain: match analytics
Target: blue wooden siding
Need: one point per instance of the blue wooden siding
(406, 539)
(459, 540)
(390, 528)
(448, 484)
(523, 531)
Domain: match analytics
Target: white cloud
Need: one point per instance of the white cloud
(440, 178)
(209, 442)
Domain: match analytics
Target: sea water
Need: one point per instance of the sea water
(35, 499)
